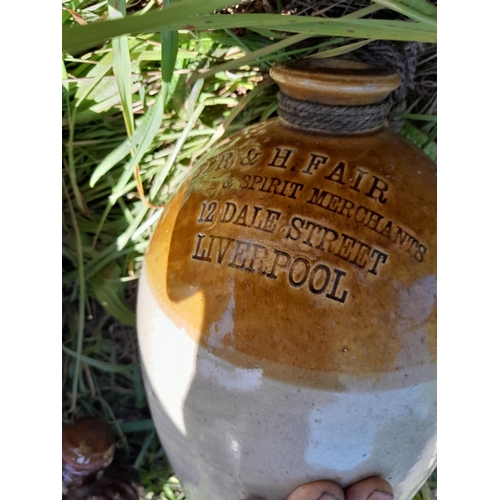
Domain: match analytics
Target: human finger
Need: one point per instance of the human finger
(318, 490)
(372, 488)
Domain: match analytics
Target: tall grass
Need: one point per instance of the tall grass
(146, 88)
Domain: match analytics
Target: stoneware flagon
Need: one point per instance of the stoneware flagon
(287, 304)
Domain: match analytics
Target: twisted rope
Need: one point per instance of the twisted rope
(400, 57)
(346, 119)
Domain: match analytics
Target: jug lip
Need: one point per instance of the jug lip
(335, 82)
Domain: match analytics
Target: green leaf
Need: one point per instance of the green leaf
(96, 74)
(121, 65)
(65, 77)
(162, 175)
(338, 51)
(421, 140)
(109, 291)
(418, 10)
(142, 139)
(149, 127)
(179, 16)
(251, 56)
(412, 116)
(103, 102)
(101, 365)
(81, 301)
(169, 49)
(179, 13)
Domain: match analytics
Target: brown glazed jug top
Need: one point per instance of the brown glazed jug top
(335, 82)
(308, 255)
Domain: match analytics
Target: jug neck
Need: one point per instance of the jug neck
(333, 95)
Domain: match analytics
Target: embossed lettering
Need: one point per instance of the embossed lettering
(313, 226)
(256, 220)
(318, 197)
(361, 174)
(210, 211)
(255, 257)
(336, 283)
(337, 174)
(419, 255)
(312, 279)
(379, 257)
(281, 157)
(346, 246)
(252, 156)
(277, 263)
(240, 252)
(346, 209)
(373, 219)
(334, 236)
(229, 212)
(379, 186)
(360, 259)
(197, 255)
(314, 163)
(224, 160)
(295, 225)
(297, 279)
(271, 217)
(240, 220)
(272, 185)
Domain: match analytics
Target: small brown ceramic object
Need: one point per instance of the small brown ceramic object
(287, 305)
(87, 454)
(87, 447)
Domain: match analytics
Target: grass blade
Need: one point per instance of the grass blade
(338, 51)
(169, 49)
(411, 116)
(102, 67)
(421, 140)
(138, 426)
(100, 365)
(250, 57)
(149, 128)
(81, 302)
(74, 39)
(162, 175)
(357, 14)
(147, 443)
(346, 27)
(230, 118)
(71, 157)
(121, 65)
(119, 153)
(418, 10)
(65, 85)
(109, 291)
(141, 139)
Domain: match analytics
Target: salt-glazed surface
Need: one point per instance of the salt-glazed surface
(232, 433)
(287, 306)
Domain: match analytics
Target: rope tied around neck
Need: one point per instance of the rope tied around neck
(347, 119)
